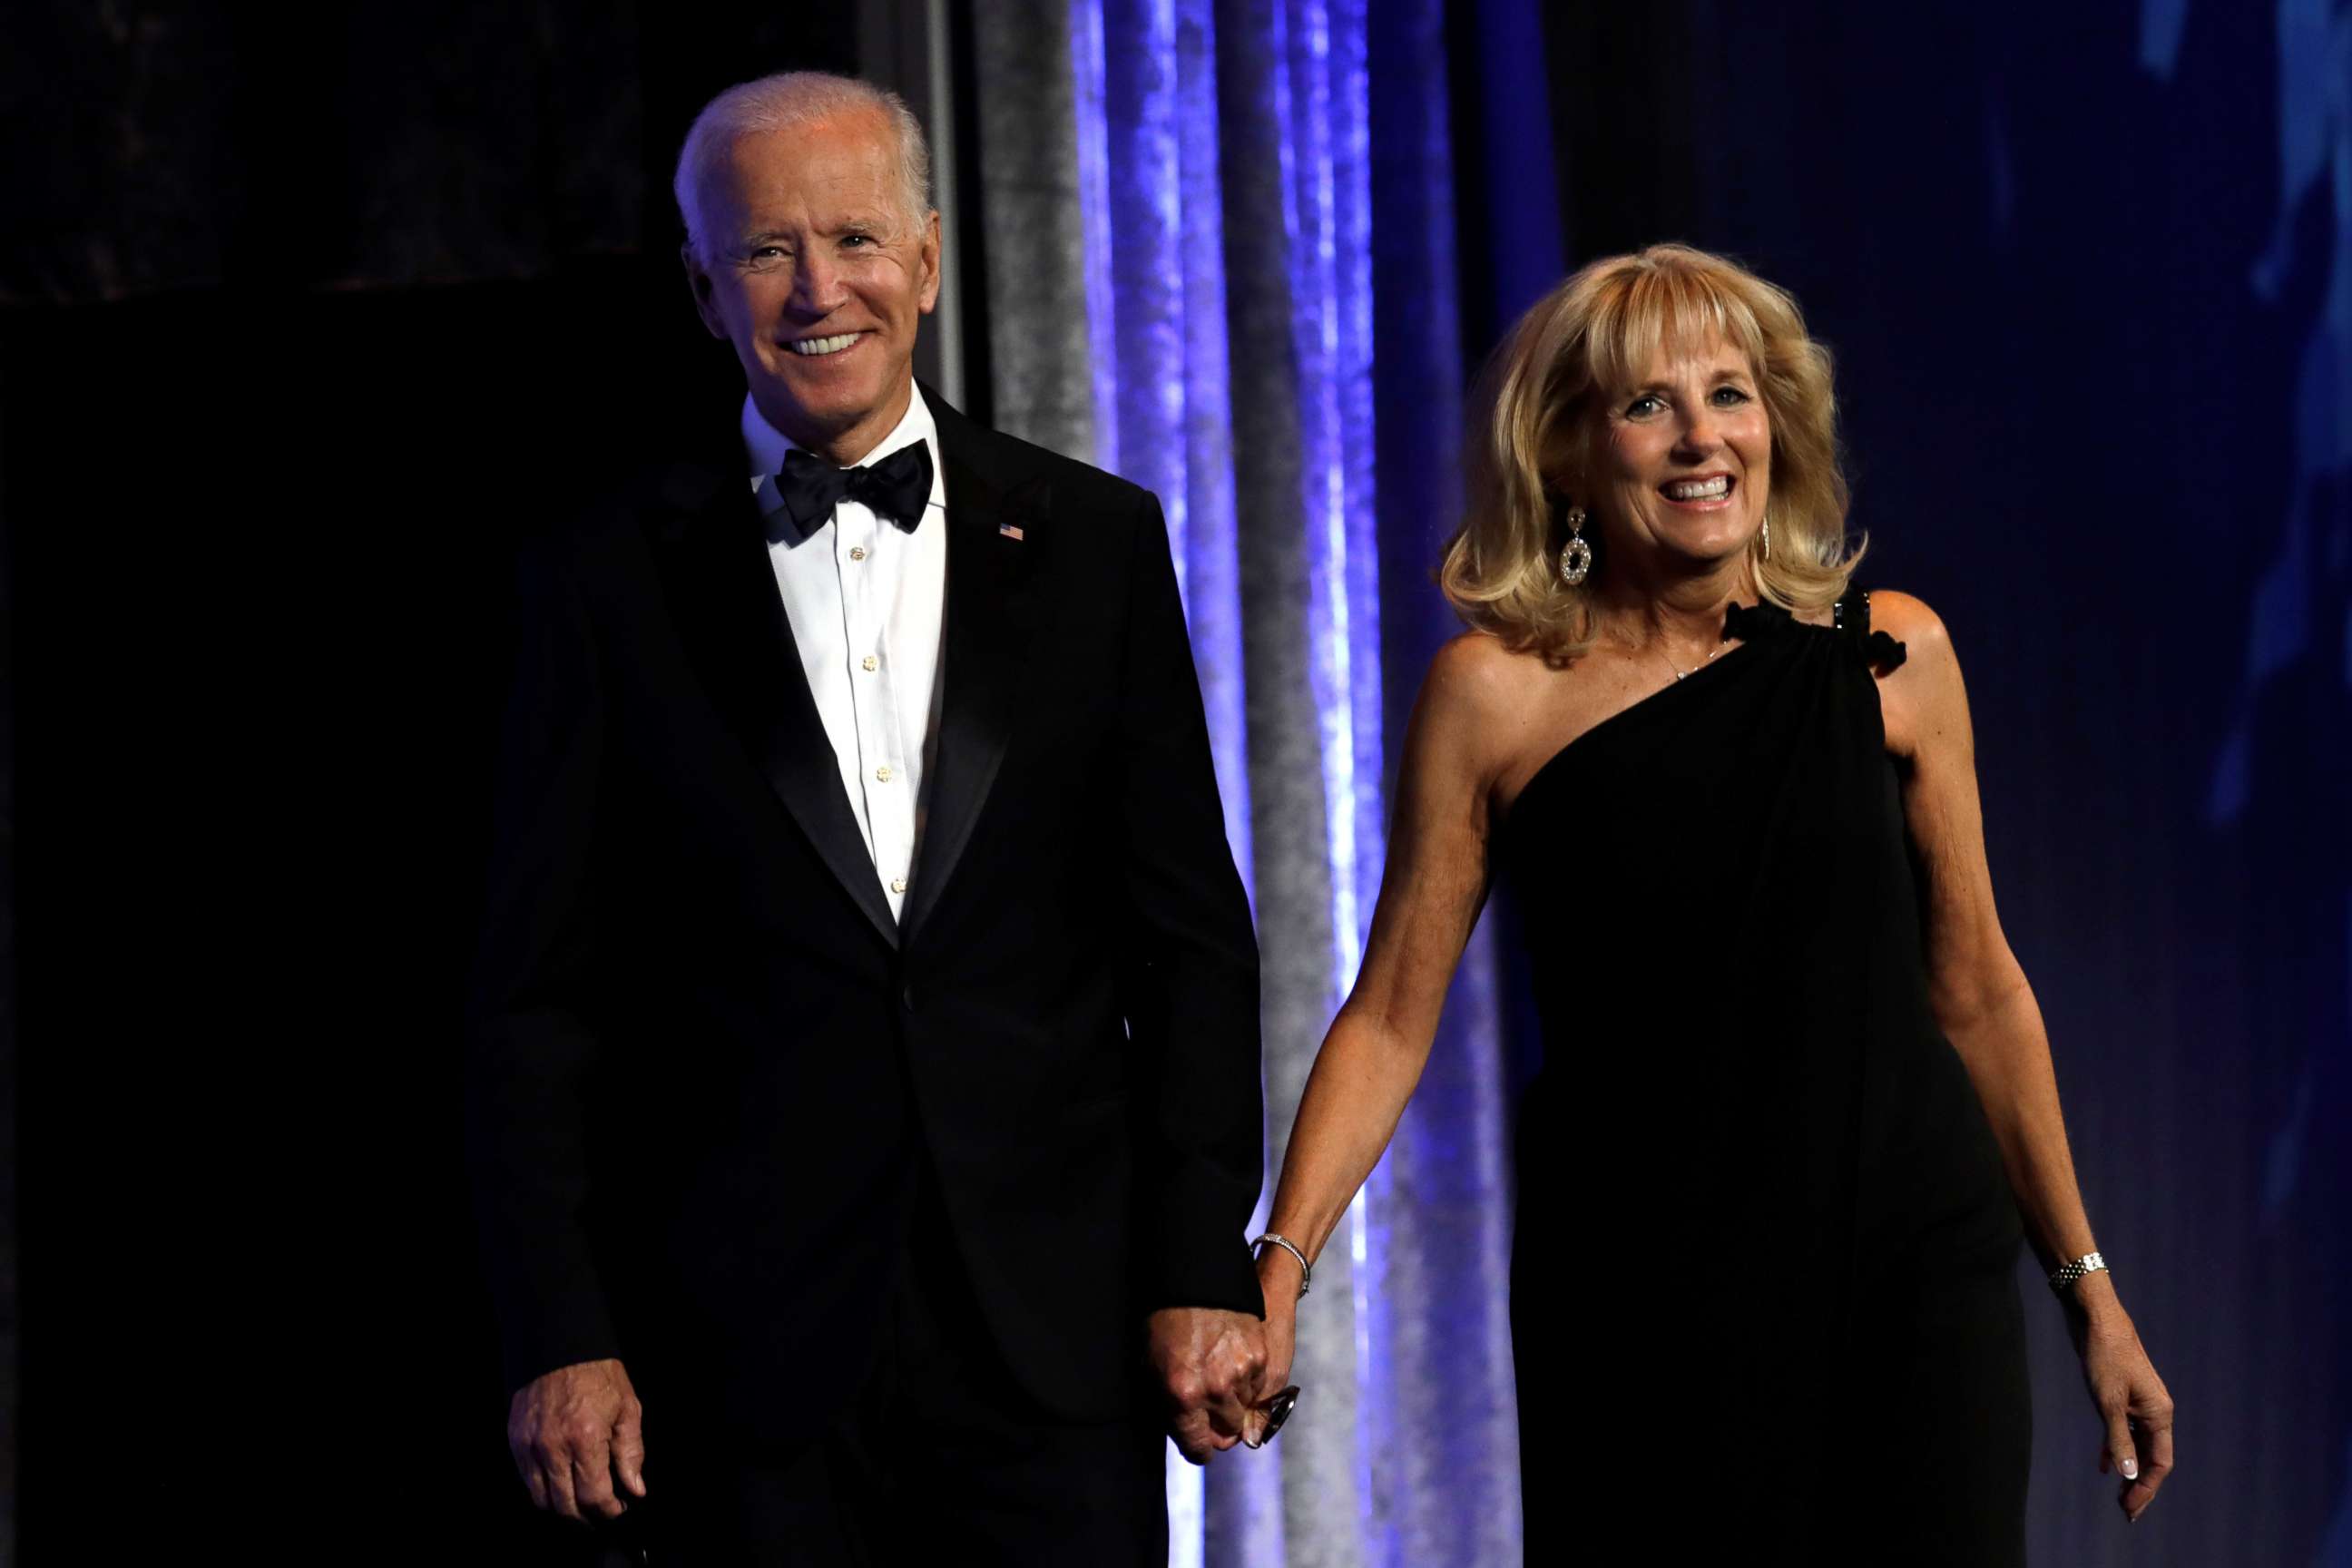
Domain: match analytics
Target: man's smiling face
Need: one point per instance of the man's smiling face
(818, 275)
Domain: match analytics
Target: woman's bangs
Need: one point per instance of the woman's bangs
(1674, 311)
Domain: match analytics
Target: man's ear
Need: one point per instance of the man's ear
(698, 282)
(930, 254)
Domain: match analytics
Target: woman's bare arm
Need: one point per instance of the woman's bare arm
(1431, 891)
(1986, 1008)
(1976, 987)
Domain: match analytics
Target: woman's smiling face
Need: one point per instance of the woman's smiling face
(1684, 455)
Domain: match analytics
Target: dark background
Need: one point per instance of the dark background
(375, 294)
(303, 319)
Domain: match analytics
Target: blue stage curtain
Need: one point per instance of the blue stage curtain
(1249, 218)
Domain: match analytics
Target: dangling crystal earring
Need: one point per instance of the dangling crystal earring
(1575, 556)
(1768, 539)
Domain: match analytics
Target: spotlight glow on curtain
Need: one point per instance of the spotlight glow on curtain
(1147, 93)
(1218, 159)
(1155, 316)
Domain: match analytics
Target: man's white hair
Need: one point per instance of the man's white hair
(783, 102)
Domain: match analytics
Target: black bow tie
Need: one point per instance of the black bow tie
(897, 488)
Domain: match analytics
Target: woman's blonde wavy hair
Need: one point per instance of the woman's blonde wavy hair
(1582, 342)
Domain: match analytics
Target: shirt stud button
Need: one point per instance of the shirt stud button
(883, 772)
(858, 553)
(870, 664)
(897, 884)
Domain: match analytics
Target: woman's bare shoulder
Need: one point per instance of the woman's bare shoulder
(1478, 677)
(1478, 692)
(1908, 620)
(1924, 702)
(1479, 663)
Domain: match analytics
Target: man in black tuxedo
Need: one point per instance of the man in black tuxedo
(864, 1103)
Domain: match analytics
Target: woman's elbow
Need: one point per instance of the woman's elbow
(1967, 998)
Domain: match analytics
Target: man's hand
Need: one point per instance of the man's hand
(574, 1430)
(1208, 1362)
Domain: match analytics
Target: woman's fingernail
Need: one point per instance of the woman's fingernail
(2130, 1468)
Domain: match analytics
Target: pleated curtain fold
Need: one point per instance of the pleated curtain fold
(1219, 262)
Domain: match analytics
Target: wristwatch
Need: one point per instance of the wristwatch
(2089, 1263)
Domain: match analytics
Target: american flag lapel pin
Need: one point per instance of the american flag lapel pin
(1010, 531)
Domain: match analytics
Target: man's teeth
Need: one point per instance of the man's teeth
(1715, 488)
(807, 346)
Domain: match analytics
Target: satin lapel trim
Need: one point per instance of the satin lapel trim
(991, 623)
(733, 619)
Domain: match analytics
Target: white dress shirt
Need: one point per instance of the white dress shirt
(866, 598)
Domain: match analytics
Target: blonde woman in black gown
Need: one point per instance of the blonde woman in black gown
(1797, 1109)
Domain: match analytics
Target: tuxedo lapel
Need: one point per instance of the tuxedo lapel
(996, 532)
(732, 618)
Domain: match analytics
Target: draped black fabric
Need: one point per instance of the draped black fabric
(1765, 1249)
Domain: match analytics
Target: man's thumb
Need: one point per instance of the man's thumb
(629, 1449)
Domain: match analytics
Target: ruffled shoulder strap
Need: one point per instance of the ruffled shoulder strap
(1750, 621)
(1851, 616)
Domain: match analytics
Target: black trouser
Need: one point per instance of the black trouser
(942, 1458)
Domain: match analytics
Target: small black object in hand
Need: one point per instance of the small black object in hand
(1277, 1411)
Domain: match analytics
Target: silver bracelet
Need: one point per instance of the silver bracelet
(1306, 1270)
(2089, 1263)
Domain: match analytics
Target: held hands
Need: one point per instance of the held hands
(571, 1431)
(1208, 1362)
(1277, 1278)
(2131, 1398)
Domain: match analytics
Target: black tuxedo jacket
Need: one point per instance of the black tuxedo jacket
(705, 1062)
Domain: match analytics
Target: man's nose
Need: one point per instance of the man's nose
(817, 284)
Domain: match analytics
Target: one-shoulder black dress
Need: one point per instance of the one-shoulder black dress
(1764, 1300)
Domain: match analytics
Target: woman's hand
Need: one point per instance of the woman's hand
(1277, 1277)
(2131, 1399)
(1475, 716)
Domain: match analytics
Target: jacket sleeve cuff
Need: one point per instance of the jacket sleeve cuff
(1200, 1256)
(529, 1351)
